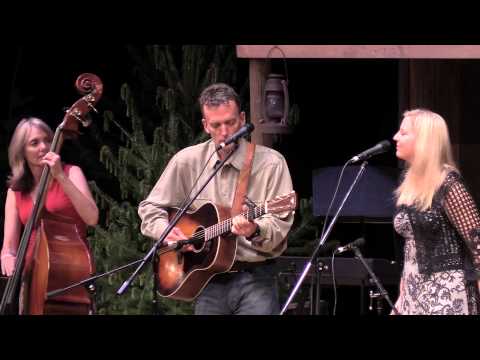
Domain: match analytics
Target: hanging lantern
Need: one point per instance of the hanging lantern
(275, 100)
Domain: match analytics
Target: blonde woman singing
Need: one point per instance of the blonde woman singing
(439, 221)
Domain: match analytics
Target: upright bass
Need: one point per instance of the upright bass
(60, 256)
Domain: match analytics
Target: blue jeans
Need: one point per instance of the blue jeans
(247, 292)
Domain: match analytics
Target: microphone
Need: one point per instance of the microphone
(243, 131)
(381, 147)
(353, 244)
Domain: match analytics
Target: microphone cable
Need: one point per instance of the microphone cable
(333, 198)
(339, 181)
(334, 285)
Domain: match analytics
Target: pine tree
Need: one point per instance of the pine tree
(161, 117)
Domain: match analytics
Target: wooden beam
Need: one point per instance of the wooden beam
(359, 51)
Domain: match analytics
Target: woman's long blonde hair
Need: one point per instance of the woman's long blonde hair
(432, 159)
(21, 178)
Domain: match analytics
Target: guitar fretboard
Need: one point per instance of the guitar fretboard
(223, 227)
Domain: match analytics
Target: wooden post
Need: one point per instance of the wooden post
(259, 68)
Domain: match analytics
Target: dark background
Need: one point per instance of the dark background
(346, 107)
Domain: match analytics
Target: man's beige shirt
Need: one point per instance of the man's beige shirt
(269, 178)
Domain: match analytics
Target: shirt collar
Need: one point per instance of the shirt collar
(236, 160)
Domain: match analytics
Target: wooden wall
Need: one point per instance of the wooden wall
(450, 88)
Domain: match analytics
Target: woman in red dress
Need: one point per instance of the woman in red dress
(68, 197)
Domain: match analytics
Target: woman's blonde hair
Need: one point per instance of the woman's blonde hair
(21, 178)
(432, 159)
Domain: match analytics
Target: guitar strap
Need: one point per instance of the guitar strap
(242, 183)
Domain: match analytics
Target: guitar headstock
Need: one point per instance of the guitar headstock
(282, 203)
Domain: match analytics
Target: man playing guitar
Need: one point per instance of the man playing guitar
(246, 285)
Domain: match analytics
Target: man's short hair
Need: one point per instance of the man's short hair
(217, 94)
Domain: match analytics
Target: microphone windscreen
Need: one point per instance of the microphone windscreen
(385, 144)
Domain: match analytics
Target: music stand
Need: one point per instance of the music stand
(371, 202)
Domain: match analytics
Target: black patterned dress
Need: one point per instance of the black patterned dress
(446, 291)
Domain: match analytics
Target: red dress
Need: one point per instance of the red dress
(61, 216)
(57, 204)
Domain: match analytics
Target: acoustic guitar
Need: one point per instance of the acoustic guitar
(182, 275)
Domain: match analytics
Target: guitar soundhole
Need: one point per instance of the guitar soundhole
(204, 246)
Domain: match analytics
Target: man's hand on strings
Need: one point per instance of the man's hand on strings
(241, 226)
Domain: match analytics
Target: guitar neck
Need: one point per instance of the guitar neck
(224, 227)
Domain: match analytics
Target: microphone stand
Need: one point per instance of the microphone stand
(88, 282)
(383, 292)
(323, 239)
(172, 224)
